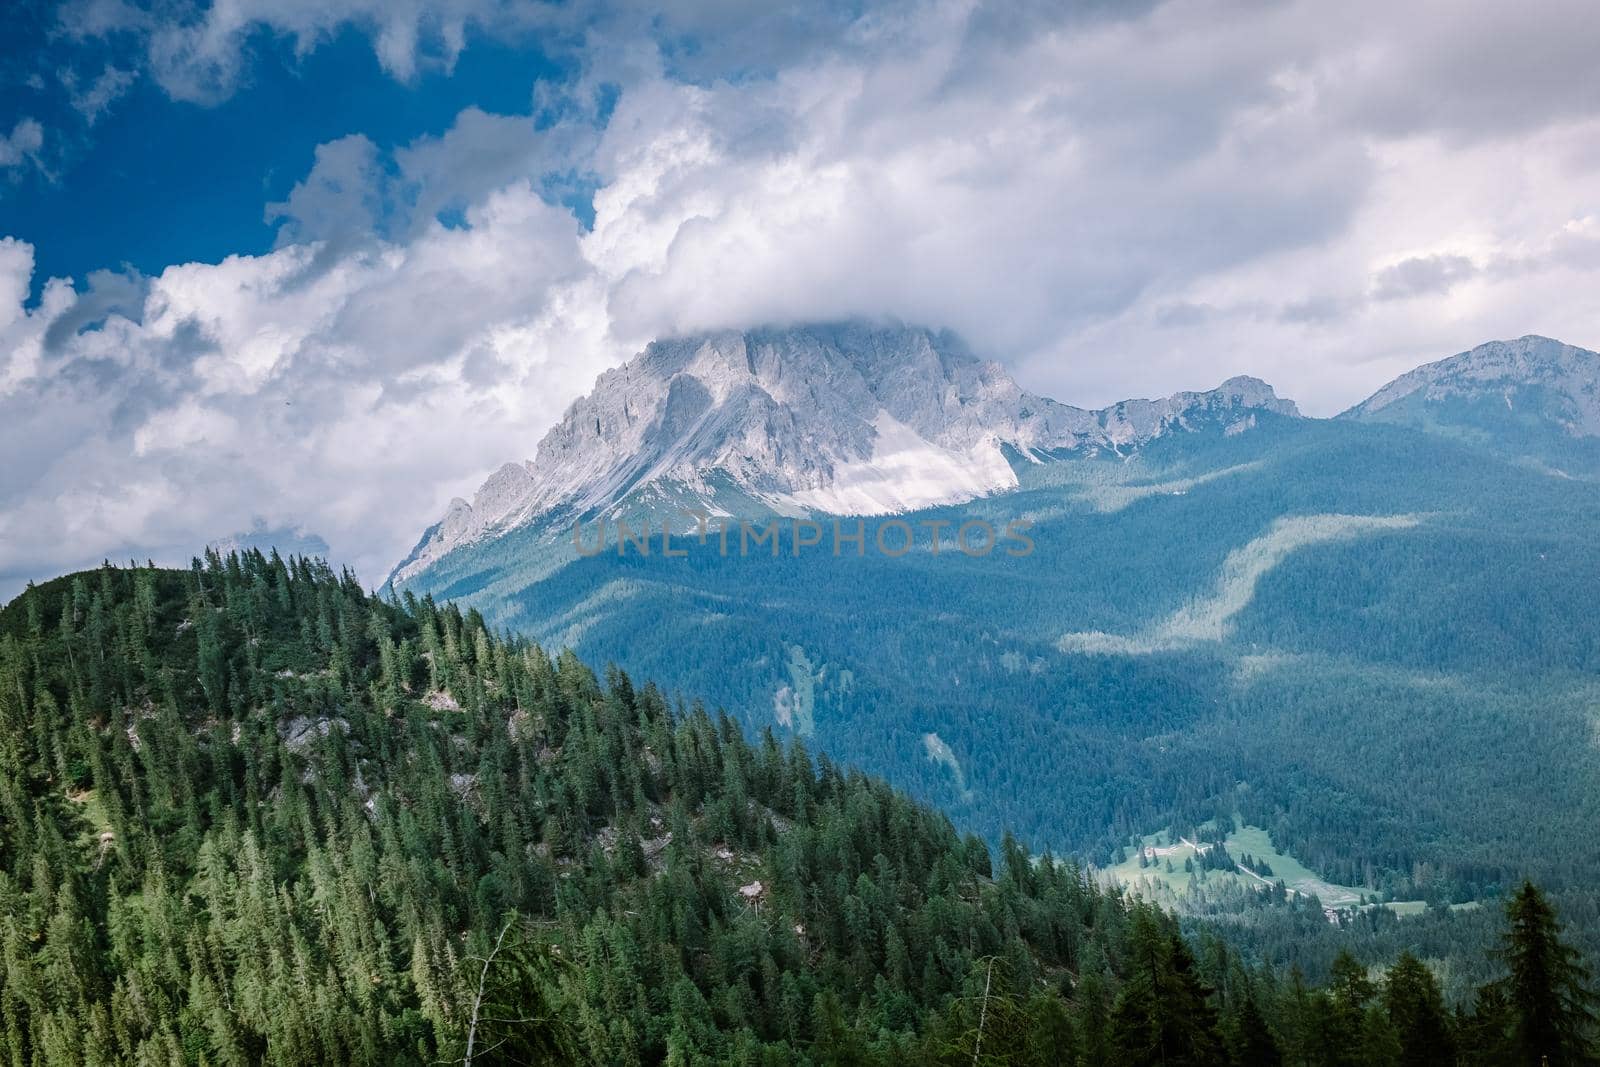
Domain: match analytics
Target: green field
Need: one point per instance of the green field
(1165, 879)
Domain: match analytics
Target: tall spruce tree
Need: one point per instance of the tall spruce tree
(1163, 1016)
(1416, 1010)
(1250, 1040)
(1548, 1000)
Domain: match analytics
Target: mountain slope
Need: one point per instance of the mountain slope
(252, 815)
(1269, 623)
(1232, 634)
(1282, 619)
(1534, 398)
(843, 419)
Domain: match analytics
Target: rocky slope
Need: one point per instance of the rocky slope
(1564, 382)
(845, 419)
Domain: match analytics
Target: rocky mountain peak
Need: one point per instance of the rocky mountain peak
(847, 418)
(1566, 377)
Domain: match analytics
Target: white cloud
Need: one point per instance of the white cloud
(200, 52)
(95, 99)
(189, 426)
(1122, 203)
(22, 144)
(344, 197)
(335, 397)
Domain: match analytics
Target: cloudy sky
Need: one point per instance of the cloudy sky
(320, 266)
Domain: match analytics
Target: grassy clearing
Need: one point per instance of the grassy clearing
(1209, 617)
(1290, 871)
(1164, 878)
(94, 814)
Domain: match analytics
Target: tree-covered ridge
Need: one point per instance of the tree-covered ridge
(249, 813)
(1350, 656)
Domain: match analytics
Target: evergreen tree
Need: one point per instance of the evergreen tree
(1162, 1015)
(525, 1015)
(1417, 1013)
(1251, 1042)
(1549, 1004)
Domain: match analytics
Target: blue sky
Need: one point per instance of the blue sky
(155, 181)
(332, 263)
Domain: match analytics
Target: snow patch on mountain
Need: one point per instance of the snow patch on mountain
(906, 472)
(848, 419)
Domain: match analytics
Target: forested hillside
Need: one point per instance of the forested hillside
(1269, 626)
(249, 813)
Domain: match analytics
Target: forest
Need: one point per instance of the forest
(1467, 637)
(250, 813)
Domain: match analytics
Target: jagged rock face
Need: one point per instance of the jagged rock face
(782, 411)
(845, 419)
(1566, 380)
(1133, 422)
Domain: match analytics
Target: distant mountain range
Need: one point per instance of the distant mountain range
(1366, 637)
(286, 540)
(852, 419)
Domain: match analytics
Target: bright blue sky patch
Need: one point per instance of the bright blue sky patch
(154, 181)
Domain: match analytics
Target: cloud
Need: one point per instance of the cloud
(201, 53)
(343, 198)
(21, 146)
(1114, 199)
(1009, 192)
(1466, 71)
(107, 293)
(356, 193)
(95, 99)
(1422, 276)
(300, 392)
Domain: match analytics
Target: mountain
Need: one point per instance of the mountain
(1214, 628)
(840, 420)
(294, 869)
(254, 815)
(285, 540)
(1534, 398)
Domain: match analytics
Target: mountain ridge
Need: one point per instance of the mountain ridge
(1533, 400)
(1280, 618)
(859, 419)
(1529, 361)
(845, 419)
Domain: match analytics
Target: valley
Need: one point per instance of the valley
(864, 533)
(1229, 608)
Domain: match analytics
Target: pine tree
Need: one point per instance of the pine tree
(1251, 1041)
(524, 1015)
(1162, 1016)
(1416, 1010)
(1547, 993)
